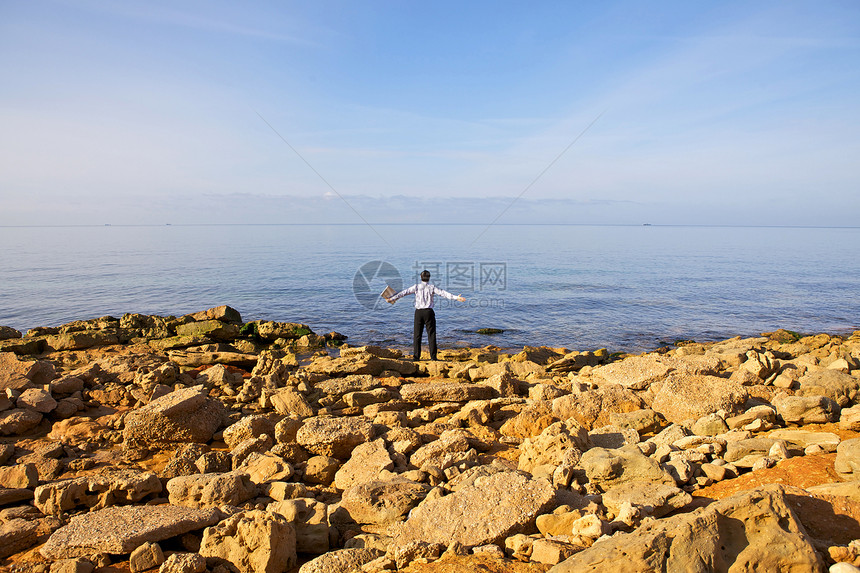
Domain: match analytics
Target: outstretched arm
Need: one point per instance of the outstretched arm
(447, 294)
(401, 294)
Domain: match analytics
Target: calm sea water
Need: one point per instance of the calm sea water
(584, 287)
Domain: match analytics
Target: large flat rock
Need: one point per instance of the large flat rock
(684, 397)
(119, 530)
(185, 415)
(492, 509)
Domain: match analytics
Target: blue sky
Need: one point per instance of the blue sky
(150, 112)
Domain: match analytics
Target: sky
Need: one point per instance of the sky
(617, 112)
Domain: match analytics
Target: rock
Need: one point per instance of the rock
(849, 489)
(432, 392)
(18, 421)
(281, 491)
(650, 499)
(802, 439)
(9, 333)
(556, 523)
(710, 425)
(120, 529)
(442, 453)
(183, 563)
(588, 526)
(321, 469)
(551, 552)
(214, 329)
(595, 407)
(249, 446)
(849, 419)
(847, 463)
(79, 430)
(764, 413)
(10, 495)
(364, 465)
(145, 557)
(80, 340)
(670, 435)
(16, 535)
(266, 467)
(415, 550)
(806, 409)
(193, 358)
(683, 397)
(67, 407)
(635, 372)
(66, 385)
(840, 387)
(362, 399)
(47, 468)
(713, 472)
(185, 415)
(338, 387)
(6, 451)
(211, 490)
(360, 364)
(223, 313)
(71, 566)
(545, 393)
(286, 430)
(531, 421)
(644, 421)
(610, 468)
(288, 402)
(492, 509)
(269, 330)
(18, 374)
(310, 520)
(116, 487)
(37, 399)
(611, 437)
(183, 461)
(552, 445)
(23, 346)
(253, 542)
(504, 384)
(340, 561)
(248, 427)
(573, 362)
(737, 450)
(843, 568)
(19, 476)
(736, 534)
(213, 463)
(178, 343)
(383, 502)
(334, 437)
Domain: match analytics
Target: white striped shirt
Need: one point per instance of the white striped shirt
(424, 294)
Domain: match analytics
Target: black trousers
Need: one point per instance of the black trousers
(424, 317)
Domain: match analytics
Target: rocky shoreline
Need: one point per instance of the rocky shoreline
(205, 443)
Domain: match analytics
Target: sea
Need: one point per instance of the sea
(583, 287)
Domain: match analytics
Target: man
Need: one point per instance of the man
(424, 314)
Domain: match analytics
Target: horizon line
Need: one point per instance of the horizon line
(414, 224)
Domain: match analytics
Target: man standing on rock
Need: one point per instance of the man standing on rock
(424, 314)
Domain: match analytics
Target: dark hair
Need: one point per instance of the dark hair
(425, 276)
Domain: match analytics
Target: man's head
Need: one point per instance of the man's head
(425, 276)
